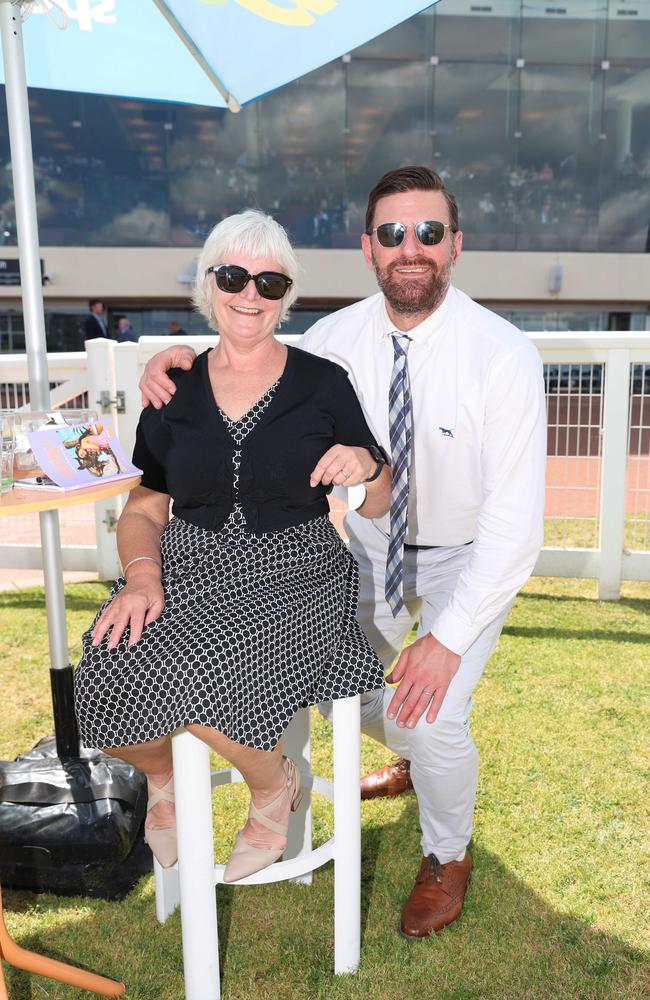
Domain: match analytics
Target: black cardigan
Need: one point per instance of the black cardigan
(185, 448)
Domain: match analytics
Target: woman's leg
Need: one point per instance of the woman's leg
(155, 760)
(265, 776)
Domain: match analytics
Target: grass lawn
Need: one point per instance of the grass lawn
(582, 532)
(558, 901)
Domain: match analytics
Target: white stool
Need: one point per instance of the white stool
(191, 882)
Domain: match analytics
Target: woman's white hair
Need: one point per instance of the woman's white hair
(253, 234)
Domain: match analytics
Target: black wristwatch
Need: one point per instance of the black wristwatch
(379, 458)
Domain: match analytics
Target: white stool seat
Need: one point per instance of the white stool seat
(191, 882)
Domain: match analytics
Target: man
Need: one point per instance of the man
(125, 332)
(176, 330)
(94, 323)
(455, 395)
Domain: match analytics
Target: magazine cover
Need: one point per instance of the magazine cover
(80, 456)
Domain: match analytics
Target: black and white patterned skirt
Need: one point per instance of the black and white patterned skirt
(254, 628)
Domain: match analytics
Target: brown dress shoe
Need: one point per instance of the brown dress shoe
(392, 779)
(437, 897)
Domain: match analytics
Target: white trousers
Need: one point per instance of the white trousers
(444, 759)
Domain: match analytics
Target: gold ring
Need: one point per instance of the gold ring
(345, 473)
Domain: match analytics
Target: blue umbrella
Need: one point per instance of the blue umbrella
(219, 53)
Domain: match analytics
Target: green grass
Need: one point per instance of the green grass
(582, 532)
(558, 902)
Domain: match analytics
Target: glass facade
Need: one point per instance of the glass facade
(537, 117)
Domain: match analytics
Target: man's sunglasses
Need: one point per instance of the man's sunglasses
(391, 234)
(232, 278)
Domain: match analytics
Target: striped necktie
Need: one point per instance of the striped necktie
(400, 429)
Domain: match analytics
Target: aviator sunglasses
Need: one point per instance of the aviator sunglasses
(429, 233)
(232, 278)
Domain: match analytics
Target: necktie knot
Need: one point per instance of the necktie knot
(401, 343)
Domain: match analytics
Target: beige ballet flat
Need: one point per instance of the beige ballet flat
(246, 859)
(162, 842)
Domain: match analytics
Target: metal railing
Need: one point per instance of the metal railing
(598, 473)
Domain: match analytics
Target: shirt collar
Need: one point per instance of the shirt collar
(425, 331)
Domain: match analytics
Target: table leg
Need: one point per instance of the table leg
(67, 740)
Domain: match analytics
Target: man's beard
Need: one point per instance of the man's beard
(416, 295)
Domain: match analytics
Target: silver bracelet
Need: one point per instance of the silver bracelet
(137, 559)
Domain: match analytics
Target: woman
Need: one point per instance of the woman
(241, 609)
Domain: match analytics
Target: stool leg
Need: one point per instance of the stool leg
(298, 747)
(347, 835)
(167, 891)
(196, 867)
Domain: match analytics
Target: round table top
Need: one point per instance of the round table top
(34, 499)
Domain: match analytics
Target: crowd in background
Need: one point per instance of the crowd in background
(559, 204)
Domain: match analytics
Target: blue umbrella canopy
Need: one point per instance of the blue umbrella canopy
(218, 53)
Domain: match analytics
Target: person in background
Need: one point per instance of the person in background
(455, 394)
(125, 332)
(94, 324)
(176, 330)
(239, 610)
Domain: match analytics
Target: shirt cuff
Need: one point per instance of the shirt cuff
(356, 496)
(453, 632)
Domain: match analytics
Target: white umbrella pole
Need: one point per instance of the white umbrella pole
(22, 166)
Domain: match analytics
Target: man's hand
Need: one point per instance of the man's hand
(343, 465)
(424, 671)
(155, 387)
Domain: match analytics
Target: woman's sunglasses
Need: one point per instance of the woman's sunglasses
(391, 234)
(232, 278)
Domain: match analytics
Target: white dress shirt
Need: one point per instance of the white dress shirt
(479, 441)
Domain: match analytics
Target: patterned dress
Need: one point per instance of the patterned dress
(255, 626)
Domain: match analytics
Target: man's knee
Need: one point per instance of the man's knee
(441, 742)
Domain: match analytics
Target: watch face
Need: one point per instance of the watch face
(377, 453)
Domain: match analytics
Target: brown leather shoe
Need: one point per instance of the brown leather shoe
(437, 897)
(392, 779)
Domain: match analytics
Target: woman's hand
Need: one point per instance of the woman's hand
(343, 465)
(140, 602)
(155, 385)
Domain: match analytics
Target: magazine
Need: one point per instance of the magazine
(74, 457)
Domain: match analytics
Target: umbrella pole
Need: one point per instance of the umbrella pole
(22, 167)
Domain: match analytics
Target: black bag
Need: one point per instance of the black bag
(73, 827)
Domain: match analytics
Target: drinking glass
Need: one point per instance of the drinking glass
(7, 444)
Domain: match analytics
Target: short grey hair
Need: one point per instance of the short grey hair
(254, 234)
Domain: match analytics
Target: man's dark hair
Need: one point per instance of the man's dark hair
(410, 179)
(94, 302)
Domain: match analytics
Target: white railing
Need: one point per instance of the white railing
(598, 481)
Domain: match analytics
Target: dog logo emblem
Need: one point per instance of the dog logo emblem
(446, 432)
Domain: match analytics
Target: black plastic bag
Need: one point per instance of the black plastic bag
(73, 827)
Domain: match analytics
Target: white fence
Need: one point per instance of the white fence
(598, 479)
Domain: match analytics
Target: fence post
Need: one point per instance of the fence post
(127, 373)
(101, 380)
(613, 474)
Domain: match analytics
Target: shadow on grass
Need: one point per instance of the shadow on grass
(634, 603)
(597, 635)
(276, 941)
(22, 600)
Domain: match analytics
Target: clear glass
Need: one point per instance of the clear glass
(475, 150)
(559, 158)
(302, 157)
(7, 445)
